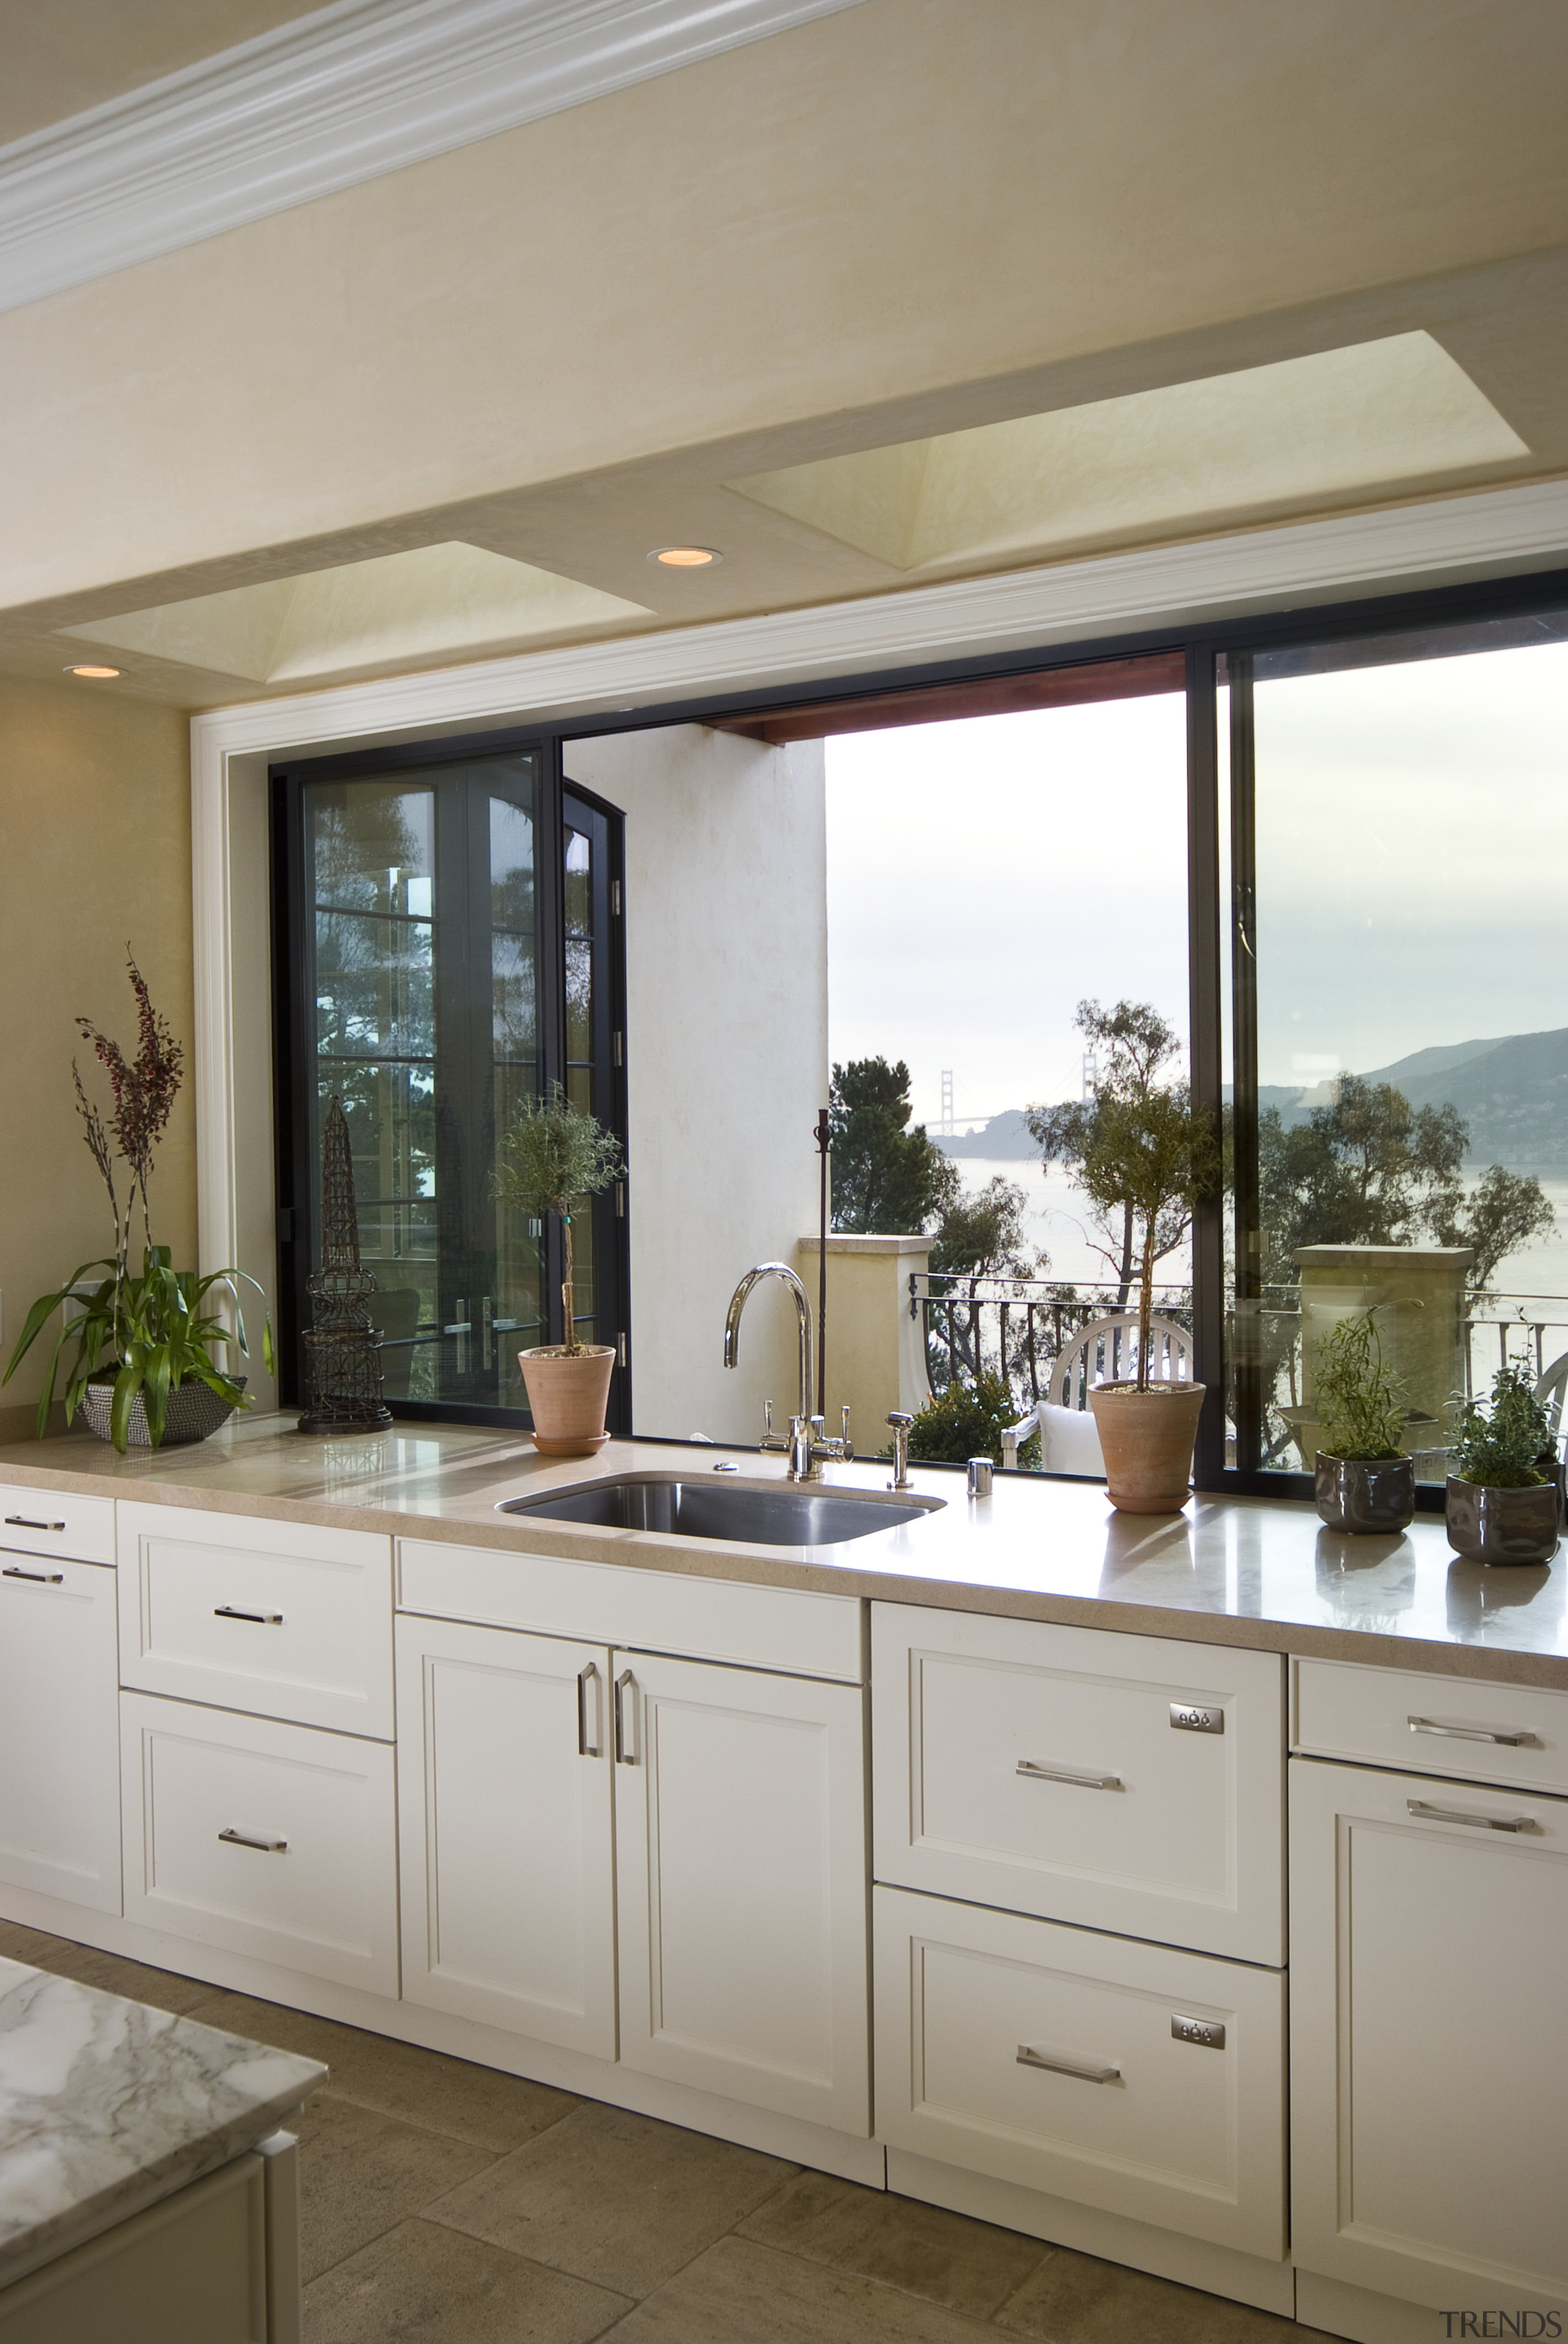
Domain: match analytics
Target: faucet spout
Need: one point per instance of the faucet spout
(737, 1301)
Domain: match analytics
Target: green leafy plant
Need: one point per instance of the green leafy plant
(1138, 1147)
(1502, 1449)
(1358, 1402)
(148, 1333)
(963, 1422)
(550, 1155)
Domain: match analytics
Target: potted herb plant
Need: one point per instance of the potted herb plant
(1140, 1149)
(1501, 1508)
(550, 1158)
(1363, 1479)
(142, 1374)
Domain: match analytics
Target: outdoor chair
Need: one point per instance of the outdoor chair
(1105, 1352)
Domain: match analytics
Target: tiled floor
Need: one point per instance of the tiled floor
(450, 2204)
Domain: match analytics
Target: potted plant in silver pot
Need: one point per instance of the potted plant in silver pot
(1363, 1479)
(1501, 1508)
(550, 1156)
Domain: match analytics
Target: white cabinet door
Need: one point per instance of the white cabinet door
(59, 1729)
(1429, 2056)
(1146, 2082)
(1123, 1783)
(740, 1846)
(505, 1807)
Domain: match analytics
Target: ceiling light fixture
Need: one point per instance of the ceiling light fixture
(686, 557)
(91, 670)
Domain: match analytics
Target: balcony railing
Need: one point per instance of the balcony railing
(1018, 1325)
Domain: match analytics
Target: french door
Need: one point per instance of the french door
(449, 948)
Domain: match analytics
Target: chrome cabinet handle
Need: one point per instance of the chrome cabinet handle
(1088, 2071)
(1524, 1741)
(1478, 1823)
(586, 1677)
(44, 1577)
(26, 1523)
(624, 1753)
(259, 1619)
(1037, 1773)
(248, 1839)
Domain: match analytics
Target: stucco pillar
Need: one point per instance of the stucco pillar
(1419, 1293)
(876, 1352)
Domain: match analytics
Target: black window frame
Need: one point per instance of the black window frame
(294, 1026)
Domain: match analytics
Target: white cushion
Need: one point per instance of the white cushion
(1070, 1440)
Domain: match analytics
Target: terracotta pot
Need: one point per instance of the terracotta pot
(567, 1393)
(1147, 1438)
(1365, 1495)
(1502, 1525)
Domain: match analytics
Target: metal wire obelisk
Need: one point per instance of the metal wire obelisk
(342, 1349)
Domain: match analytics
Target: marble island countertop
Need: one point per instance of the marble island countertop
(108, 2106)
(1255, 1571)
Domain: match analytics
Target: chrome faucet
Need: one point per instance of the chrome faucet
(806, 1447)
(901, 1422)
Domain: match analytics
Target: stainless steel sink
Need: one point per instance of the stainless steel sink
(776, 1515)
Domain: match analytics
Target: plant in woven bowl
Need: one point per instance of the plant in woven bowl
(550, 1158)
(1503, 1500)
(141, 1337)
(1363, 1479)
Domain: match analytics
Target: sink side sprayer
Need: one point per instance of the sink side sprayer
(806, 1447)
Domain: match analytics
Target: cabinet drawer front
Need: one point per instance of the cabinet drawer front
(1429, 2060)
(1065, 1772)
(777, 1628)
(1433, 1725)
(1077, 2064)
(59, 1733)
(53, 1521)
(272, 1840)
(275, 1618)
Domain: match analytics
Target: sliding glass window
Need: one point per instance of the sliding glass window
(1397, 1018)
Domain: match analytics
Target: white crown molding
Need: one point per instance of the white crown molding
(355, 90)
(1490, 534)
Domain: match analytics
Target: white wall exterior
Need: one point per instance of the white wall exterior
(727, 1056)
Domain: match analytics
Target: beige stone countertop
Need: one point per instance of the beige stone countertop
(1255, 1571)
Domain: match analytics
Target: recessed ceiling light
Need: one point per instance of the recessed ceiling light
(90, 670)
(686, 557)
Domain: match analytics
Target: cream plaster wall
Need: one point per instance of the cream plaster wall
(726, 1056)
(906, 201)
(95, 852)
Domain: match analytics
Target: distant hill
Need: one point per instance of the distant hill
(1004, 1138)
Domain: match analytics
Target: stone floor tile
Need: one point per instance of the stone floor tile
(421, 2284)
(613, 2197)
(479, 2105)
(116, 1974)
(1075, 2299)
(946, 2257)
(742, 2293)
(360, 2173)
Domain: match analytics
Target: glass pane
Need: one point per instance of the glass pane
(578, 903)
(579, 1001)
(1406, 1150)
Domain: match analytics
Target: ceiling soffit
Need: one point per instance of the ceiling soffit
(1266, 439)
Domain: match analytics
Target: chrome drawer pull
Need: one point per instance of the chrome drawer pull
(44, 1577)
(248, 1839)
(586, 1677)
(625, 1755)
(26, 1523)
(259, 1619)
(1525, 1740)
(1059, 2063)
(1037, 1773)
(1479, 1822)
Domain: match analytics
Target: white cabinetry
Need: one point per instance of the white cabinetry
(59, 1742)
(742, 1865)
(1429, 2056)
(505, 1815)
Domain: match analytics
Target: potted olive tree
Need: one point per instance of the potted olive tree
(1363, 1479)
(1143, 1153)
(1501, 1507)
(550, 1158)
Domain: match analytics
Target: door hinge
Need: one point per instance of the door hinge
(620, 1200)
(619, 1049)
(620, 1348)
(615, 899)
